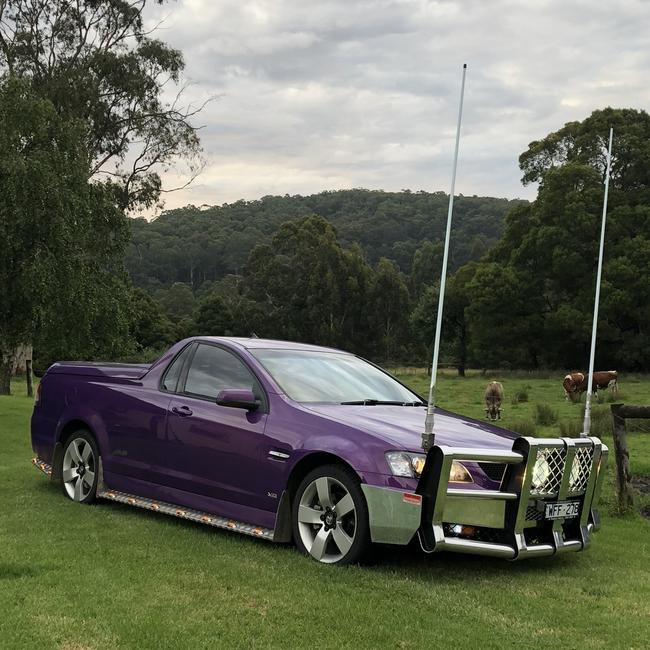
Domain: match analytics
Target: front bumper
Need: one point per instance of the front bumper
(508, 522)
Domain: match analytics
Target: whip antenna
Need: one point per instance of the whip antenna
(586, 426)
(428, 436)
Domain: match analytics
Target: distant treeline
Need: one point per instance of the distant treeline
(360, 269)
(344, 268)
(196, 245)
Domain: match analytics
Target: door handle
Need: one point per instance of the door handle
(183, 411)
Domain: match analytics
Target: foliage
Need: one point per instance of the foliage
(308, 287)
(149, 326)
(198, 245)
(213, 317)
(519, 397)
(84, 132)
(58, 282)
(545, 416)
(388, 304)
(96, 64)
(524, 427)
(537, 284)
(455, 339)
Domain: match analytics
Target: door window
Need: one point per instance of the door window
(213, 369)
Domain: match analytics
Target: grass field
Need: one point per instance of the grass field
(107, 576)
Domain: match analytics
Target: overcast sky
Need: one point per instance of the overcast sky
(316, 95)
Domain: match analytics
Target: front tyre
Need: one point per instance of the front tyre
(330, 516)
(80, 467)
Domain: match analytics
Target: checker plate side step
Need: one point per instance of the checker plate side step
(46, 468)
(186, 513)
(170, 509)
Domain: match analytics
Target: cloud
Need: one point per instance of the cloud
(316, 95)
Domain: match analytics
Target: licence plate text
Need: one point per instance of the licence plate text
(562, 510)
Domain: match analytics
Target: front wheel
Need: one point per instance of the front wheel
(330, 516)
(80, 467)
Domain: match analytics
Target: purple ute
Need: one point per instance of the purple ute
(292, 441)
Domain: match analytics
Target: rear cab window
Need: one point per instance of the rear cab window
(174, 370)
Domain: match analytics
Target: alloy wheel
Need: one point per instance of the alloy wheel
(327, 519)
(79, 467)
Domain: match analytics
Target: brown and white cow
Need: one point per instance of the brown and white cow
(493, 399)
(576, 383)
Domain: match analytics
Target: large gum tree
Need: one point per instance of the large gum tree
(98, 125)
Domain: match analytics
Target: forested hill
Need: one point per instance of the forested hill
(195, 245)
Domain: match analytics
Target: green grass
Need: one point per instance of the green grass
(108, 576)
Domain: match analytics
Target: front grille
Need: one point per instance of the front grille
(581, 469)
(534, 514)
(494, 471)
(547, 471)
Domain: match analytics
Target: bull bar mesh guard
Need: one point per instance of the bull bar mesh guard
(572, 470)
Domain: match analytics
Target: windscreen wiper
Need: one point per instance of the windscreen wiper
(380, 402)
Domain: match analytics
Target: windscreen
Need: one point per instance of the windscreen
(332, 377)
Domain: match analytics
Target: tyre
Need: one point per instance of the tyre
(80, 467)
(330, 516)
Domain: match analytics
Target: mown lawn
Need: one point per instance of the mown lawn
(107, 576)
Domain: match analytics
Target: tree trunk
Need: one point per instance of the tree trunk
(30, 378)
(6, 367)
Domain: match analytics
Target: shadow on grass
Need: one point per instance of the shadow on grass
(409, 560)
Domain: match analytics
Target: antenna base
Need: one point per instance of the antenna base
(428, 440)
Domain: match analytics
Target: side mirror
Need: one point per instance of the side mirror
(238, 398)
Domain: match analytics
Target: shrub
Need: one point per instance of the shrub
(570, 428)
(545, 416)
(519, 396)
(610, 397)
(601, 421)
(523, 427)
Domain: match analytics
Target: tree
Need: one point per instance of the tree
(425, 270)
(213, 317)
(505, 317)
(178, 301)
(96, 64)
(197, 245)
(389, 304)
(550, 247)
(149, 326)
(61, 235)
(85, 130)
(309, 288)
(455, 339)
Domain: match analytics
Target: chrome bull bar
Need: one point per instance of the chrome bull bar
(509, 522)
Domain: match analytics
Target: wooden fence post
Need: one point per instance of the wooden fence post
(30, 378)
(622, 455)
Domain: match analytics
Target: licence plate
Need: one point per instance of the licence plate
(562, 510)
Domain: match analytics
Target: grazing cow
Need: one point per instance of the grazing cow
(577, 383)
(493, 399)
(571, 383)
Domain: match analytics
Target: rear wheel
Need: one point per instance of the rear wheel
(330, 516)
(80, 467)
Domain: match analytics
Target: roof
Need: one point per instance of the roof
(269, 344)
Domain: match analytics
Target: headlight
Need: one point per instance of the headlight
(402, 463)
(541, 473)
(574, 477)
(410, 465)
(459, 473)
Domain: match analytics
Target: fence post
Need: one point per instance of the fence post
(622, 455)
(30, 377)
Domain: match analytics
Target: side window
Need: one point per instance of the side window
(173, 372)
(213, 369)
